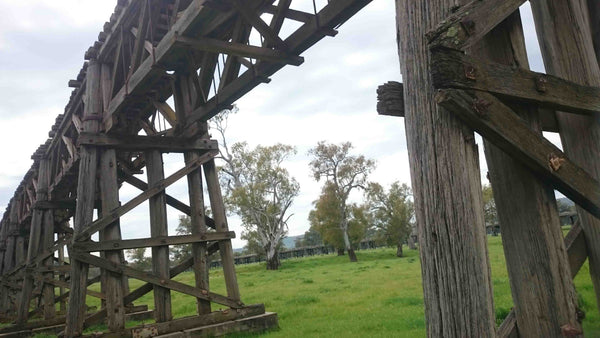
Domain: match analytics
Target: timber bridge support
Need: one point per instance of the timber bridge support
(162, 68)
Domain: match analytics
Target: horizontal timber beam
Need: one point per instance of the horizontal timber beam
(90, 246)
(153, 279)
(239, 49)
(472, 22)
(497, 123)
(452, 69)
(141, 143)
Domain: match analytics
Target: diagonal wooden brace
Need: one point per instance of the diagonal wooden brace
(496, 122)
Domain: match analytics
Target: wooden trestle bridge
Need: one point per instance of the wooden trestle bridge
(464, 67)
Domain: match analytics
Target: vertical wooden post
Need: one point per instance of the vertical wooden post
(35, 236)
(183, 106)
(447, 189)
(594, 10)
(563, 30)
(536, 256)
(61, 277)
(225, 248)
(158, 227)
(9, 256)
(109, 195)
(86, 195)
(47, 243)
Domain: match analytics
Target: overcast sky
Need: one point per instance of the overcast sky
(330, 97)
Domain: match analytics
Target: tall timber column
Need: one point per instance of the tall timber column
(447, 190)
(159, 227)
(46, 244)
(9, 256)
(114, 287)
(565, 38)
(183, 105)
(535, 252)
(35, 237)
(86, 195)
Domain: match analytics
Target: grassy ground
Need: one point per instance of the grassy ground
(380, 296)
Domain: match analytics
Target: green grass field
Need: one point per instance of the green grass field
(380, 296)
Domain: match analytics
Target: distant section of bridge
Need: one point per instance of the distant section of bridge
(159, 70)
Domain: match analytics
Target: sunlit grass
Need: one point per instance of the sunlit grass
(380, 296)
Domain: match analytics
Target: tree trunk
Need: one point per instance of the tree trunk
(445, 177)
(411, 243)
(341, 251)
(533, 243)
(399, 252)
(351, 253)
(563, 30)
(273, 262)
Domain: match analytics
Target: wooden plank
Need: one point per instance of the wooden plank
(566, 43)
(500, 125)
(140, 39)
(536, 257)
(153, 190)
(47, 242)
(471, 23)
(141, 143)
(107, 245)
(113, 284)
(166, 111)
(162, 282)
(86, 196)
(193, 322)
(452, 69)
(218, 208)
(63, 284)
(159, 227)
(251, 16)
(577, 252)
(35, 238)
(238, 49)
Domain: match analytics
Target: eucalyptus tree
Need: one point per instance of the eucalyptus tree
(344, 173)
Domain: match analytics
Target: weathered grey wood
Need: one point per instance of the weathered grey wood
(109, 195)
(390, 99)
(184, 103)
(472, 22)
(447, 190)
(47, 242)
(9, 256)
(195, 321)
(501, 126)
(158, 281)
(536, 258)
(577, 252)
(140, 143)
(158, 227)
(35, 237)
(218, 208)
(594, 13)
(563, 29)
(238, 49)
(108, 245)
(454, 70)
(61, 277)
(154, 189)
(86, 196)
